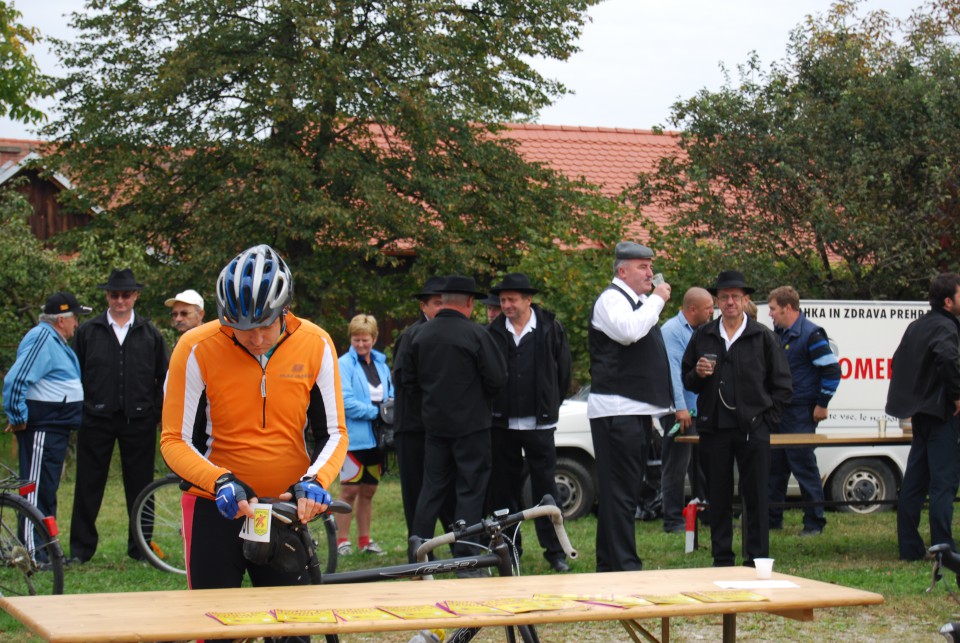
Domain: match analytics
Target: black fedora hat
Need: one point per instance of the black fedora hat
(491, 300)
(458, 284)
(121, 280)
(730, 279)
(516, 281)
(430, 287)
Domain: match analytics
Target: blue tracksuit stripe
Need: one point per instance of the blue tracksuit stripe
(18, 390)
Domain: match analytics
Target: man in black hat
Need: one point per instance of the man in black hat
(534, 344)
(492, 303)
(457, 370)
(43, 398)
(630, 384)
(736, 366)
(123, 360)
(408, 429)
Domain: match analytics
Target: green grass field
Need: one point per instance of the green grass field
(857, 551)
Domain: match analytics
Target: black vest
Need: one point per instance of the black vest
(521, 377)
(638, 371)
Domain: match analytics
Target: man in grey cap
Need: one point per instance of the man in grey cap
(630, 384)
(186, 310)
(43, 398)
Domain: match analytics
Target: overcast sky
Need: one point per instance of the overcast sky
(637, 56)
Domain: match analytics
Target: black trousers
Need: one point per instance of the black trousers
(461, 463)
(619, 444)
(215, 557)
(506, 479)
(137, 438)
(933, 468)
(409, 447)
(751, 452)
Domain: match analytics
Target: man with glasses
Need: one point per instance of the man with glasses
(186, 310)
(736, 366)
(123, 362)
(43, 398)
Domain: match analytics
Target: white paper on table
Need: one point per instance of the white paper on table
(754, 584)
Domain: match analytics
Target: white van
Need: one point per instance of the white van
(864, 336)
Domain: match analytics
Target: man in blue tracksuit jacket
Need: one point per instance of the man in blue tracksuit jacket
(816, 375)
(43, 398)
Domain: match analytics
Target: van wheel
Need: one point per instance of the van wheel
(576, 487)
(863, 479)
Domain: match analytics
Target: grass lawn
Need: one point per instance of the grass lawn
(857, 551)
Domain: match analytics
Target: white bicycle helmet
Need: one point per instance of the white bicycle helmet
(253, 289)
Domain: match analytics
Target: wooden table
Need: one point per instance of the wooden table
(178, 615)
(860, 438)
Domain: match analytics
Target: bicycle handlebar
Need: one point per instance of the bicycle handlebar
(548, 509)
(286, 510)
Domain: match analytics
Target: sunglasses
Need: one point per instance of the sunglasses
(181, 313)
(121, 294)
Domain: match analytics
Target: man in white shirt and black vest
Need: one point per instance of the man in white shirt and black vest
(630, 384)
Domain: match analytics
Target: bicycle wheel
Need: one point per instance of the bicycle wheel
(330, 533)
(156, 520)
(31, 561)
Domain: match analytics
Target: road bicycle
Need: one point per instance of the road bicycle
(31, 560)
(157, 518)
(944, 556)
(500, 554)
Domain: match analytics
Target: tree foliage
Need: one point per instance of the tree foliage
(356, 136)
(20, 79)
(836, 169)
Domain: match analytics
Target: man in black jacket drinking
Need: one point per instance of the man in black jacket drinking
(925, 386)
(738, 369)
(455, 368)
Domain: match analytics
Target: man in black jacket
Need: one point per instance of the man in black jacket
(738, 369)
(457, 370)
(534, 344)
(925, 386)
(123, 363)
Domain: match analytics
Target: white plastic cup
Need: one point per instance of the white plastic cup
(882, 427)
(764, 567)
(658, 279)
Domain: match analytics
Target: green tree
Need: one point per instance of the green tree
(835, 170)
(20, 79)
(356, 136)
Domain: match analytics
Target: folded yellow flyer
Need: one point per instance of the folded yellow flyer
(521, 605)
(727, 596)
(305, 616)
(670, 599)
(363, 614)
(242, 618)
(466, 608)
(616, 600)
(416, 611)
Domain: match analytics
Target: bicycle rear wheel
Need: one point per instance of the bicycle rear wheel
(31, 561)
(330, 535)
(157, 519)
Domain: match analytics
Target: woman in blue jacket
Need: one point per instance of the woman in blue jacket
(365, 380)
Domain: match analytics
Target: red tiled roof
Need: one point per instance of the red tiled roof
(609, 158)
(13, 150)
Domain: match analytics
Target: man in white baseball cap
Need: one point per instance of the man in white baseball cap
(187, 310)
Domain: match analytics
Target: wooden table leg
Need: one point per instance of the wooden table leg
(729, 628)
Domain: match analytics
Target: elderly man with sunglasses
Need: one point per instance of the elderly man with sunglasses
(123, 363)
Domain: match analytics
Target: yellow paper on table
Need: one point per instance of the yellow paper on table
(615, 600)
(727, 596)
(669, 599)
(306, 616)
(416, 611)
(242, 618)
(521, 605)
(466, 608)
(363, 614)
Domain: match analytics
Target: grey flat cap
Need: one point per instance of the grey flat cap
(631, 250)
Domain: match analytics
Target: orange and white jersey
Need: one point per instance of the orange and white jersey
(223, 411)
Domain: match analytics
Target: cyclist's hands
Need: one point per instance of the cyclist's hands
(312, 499)
(234, 497)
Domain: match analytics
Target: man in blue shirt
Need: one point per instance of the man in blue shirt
(43, 398)
(697, 310)
(816, 375)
